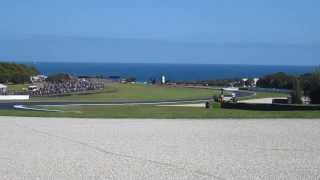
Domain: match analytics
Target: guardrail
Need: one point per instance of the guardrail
(14, 97)
(269, 90)
(269, 107)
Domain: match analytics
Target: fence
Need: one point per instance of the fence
(269, 90)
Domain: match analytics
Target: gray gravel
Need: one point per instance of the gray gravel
(55, 148)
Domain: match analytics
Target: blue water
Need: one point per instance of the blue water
(176, 72)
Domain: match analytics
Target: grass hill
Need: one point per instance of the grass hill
(16, 73)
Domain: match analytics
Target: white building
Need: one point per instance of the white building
(38, 78)
(33, 88)
(3, 89)
(244, 80)
(163, 79)
(255, 80)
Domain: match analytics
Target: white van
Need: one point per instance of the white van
(32, 88)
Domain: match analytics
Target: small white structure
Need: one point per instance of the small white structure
(38, 78)
(244, 81)
(163, 79)
(3, 89)
(14, 97)
(32, 88)
(255, 80)
(231, 89)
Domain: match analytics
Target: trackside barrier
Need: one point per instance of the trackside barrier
(269, 107)
(257, 89)
(14, 97)
(35, 109)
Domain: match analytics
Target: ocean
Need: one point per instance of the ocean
(173, 72)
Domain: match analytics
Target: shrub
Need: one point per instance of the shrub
(58, 78)
(314, 93)
(296, 94)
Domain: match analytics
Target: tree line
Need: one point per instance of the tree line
(307, 84)
(16, 73)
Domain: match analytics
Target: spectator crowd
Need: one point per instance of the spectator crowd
(66, 87)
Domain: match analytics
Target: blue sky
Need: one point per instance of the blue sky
(278, 23)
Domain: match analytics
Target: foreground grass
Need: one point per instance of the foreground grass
(143, 111)
(125, 92)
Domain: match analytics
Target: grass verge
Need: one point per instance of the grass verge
(135, 92)
(144, 111)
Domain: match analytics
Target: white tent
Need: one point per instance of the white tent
(3, 88)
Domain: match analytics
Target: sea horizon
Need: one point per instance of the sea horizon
(155, 63)
(173, 71)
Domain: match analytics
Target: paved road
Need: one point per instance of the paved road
(261, 100)
(44, 148)
(10, 105)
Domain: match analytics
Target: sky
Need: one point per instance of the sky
(173, 31)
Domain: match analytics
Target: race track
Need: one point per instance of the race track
(27, 105)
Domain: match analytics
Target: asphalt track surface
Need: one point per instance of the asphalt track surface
(11, 105)
(93, 149)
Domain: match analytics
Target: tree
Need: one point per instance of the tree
(314, 93)
(296, 93)
(16, 73)
(306, 81)
(58, 78)
(278, 80)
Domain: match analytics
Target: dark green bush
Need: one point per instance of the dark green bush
(296, 94)
(16, 73)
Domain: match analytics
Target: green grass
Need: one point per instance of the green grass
(118, 92)
(137, 92)
(132, 92)
(143, 111)
(17, 87)
(125, 92)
